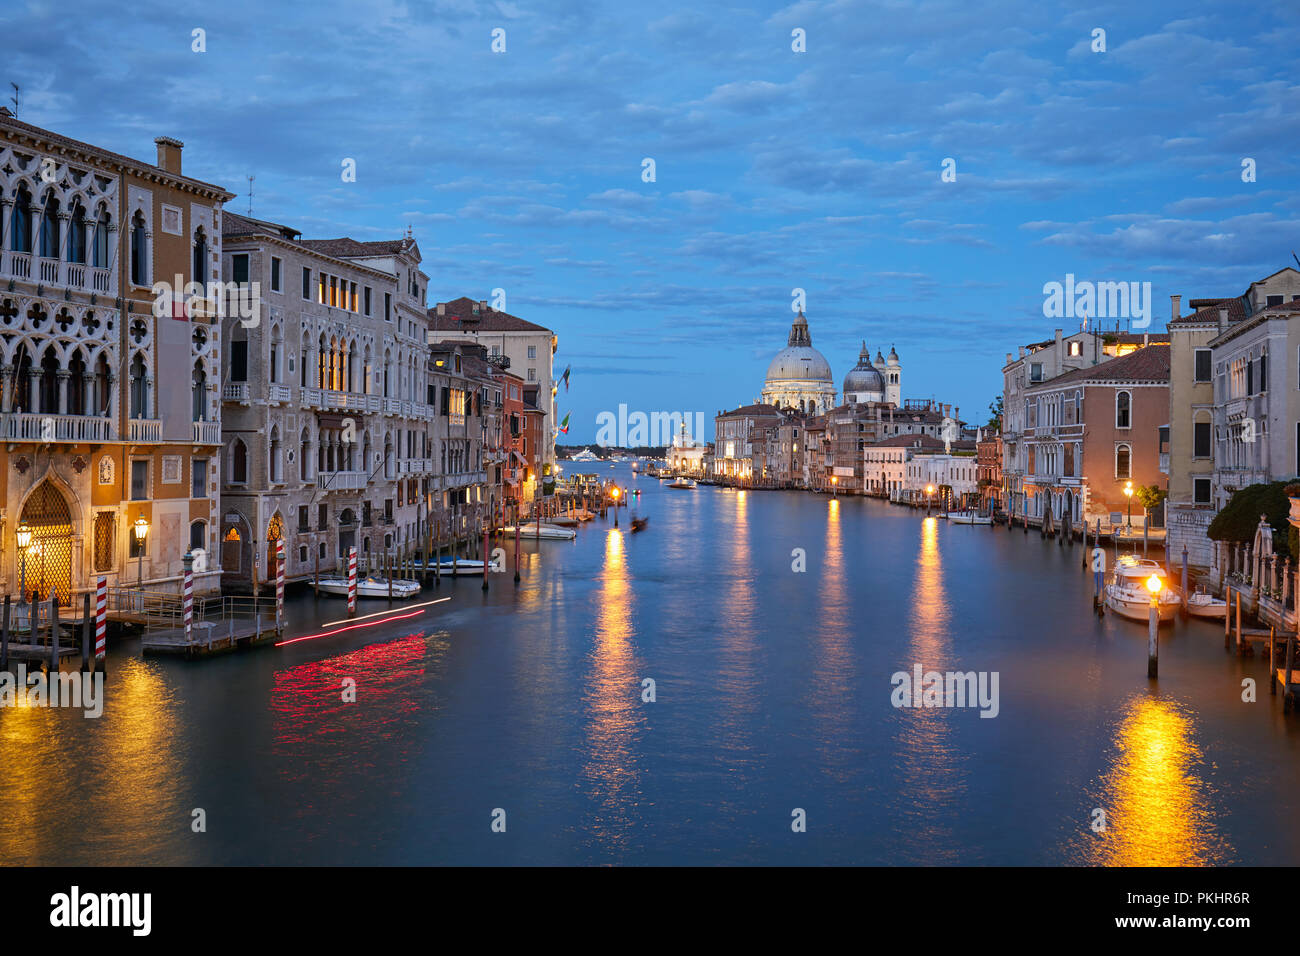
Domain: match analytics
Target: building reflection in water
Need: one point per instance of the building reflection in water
(1158, 811)
(131, 754)
(933, 769)
(611, 699)
(738, 686)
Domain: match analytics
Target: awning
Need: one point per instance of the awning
(520, 458)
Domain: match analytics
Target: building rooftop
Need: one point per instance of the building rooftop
(465, 315)
(1150, 364)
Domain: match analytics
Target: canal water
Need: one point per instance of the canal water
(773, 703)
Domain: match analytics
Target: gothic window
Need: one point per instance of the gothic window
(139, 251)
(50, 228)
(21, 233)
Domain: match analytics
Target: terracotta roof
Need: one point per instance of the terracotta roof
(1207, 310)
(347, 248)
(460, 316)
(908, 441)
(1144, 365)
(233, 225)
(759, 409)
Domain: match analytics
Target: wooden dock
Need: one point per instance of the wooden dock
(210, 637)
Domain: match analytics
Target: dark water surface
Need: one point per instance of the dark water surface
(773, 693)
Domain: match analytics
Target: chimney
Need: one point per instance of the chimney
(1008, 361)
(1223, 318)
(442, 309)
(1146, 339)
(169, 154)
(1175, 306)
(1022, 351)
(1058, 361)
(482, 305)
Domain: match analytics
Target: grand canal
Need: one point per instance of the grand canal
(773, 692)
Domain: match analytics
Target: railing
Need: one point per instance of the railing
(279, 393)
(76, 275)
(76, 428)
(408, 466)
(392, 406)
(341, 480)
(101, 279)
(144, 429)
(311, 397)
(235, 392)
(207, 433)
(48, 270)
(72, 275)
(20, 264)
(1164, 463)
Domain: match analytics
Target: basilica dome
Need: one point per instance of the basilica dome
(799, 376)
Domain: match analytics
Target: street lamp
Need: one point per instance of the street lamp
(929, 495)
(141, 529)
(615, 493)
(834, 481)
(1128, 493)
(1154, 584)
(24, 542)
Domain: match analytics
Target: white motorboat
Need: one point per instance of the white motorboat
(969, 517)
(585, 455)
(547, 531)
(681, 483)
(459, 566)
(1127, 593)
(372, 587)
(1205, 605)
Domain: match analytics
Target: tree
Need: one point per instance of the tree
(1150, 496)
(1240, 516)
(995, 414)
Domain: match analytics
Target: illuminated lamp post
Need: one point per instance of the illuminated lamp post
(24, 535)
(1128, 493)
(615, 493)
(141, 529)
(929, 497)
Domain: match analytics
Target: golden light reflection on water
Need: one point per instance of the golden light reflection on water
(932, 768)
(834, 681)
(1158, 811)
(611, 695)
(131, 754)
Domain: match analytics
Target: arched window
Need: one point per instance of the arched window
(304, 455)
(21, 234)
(50, 382)
(198, 535)
(77, 385)
(99, 251)
(274, 371)
(1123, 409)
(139, 251)
(199, 393)
(238, 462)
(200, 263)
(50, 227)
(275, 467)
(139, 388)
(1123, 461)
(77, 235)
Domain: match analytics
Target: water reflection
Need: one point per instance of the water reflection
(611, 696)
(1158, 811)
(833, 678)
(933, 770)
(77, 775)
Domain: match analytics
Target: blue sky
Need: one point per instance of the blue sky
(774, 169)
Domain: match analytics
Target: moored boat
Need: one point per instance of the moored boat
(681, 483)
(371, 587)
(548, 531)
(1206, 605)
(458, 566)
(1127, 593)
(969, 517)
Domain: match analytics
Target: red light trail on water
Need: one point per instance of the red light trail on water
(308, 637)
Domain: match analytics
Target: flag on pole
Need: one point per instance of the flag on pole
(565, 377)
(564, 425)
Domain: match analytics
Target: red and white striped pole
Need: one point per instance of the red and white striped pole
(188, 596)
(101, 621)
(352, 581)
(279, 585)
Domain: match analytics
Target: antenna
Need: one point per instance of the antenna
(1293, 256)
(15, 98)
(250, 195)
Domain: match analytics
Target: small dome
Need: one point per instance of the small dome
(863, 377)
(893, 357)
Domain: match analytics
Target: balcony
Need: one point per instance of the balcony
(411, 466)
(235, 392)
(341, 480)
(55, 272)
(1164, 463)
(206, 433)
(279, 394)
(48, 428)
(144, 430)
(392, 406)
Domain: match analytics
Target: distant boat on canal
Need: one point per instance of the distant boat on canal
(681, 483)
(969, 517)
(548, 531)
